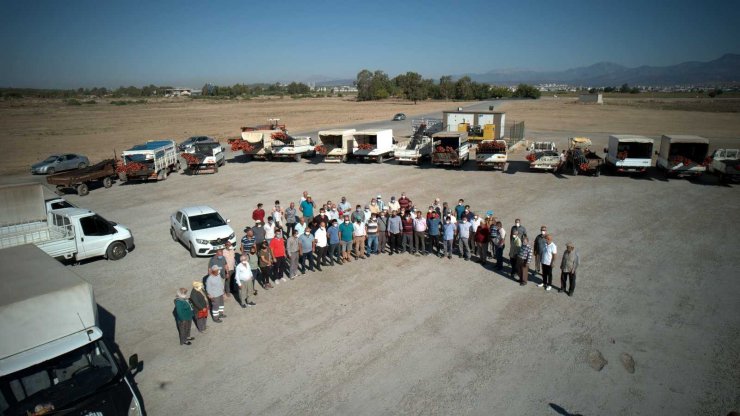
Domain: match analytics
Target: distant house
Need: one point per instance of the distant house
(180, 92)
(591, 98)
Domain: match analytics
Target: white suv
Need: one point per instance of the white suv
(201, 229)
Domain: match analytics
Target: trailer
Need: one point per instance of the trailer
(581, 159)
(155, 159)
(629, 153)
(683, 155)
(450, 149)
(336, 145)
(491, 154)
(374, 145)
(80, 179)
(725, 163)
(255, 144)
(285, 146)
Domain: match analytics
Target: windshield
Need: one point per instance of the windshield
(205, 148)
(57, 383)
(50, 159)
(201, 222)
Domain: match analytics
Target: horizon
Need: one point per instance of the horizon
(52, 45)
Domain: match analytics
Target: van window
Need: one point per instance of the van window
(96, 225)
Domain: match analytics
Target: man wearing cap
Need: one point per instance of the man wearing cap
(242, 278)
(539, 247)
(306, 208)
(258, 214)
(381, 203)
(549, 254)
(394, 205)
(293, 250)
(215, 291)
(568, 266)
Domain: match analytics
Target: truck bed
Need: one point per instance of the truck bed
(57, 241)
(95, 172)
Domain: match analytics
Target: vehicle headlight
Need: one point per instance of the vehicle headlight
(134, 409)
(199, 241)
(230, 236)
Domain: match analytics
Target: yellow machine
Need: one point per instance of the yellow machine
(462, 127)
(488, 131)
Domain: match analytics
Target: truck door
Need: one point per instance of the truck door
(94, 236)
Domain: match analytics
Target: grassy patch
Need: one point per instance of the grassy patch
(73, 101)
(128, 102)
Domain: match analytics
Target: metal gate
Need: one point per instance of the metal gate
(515, 130)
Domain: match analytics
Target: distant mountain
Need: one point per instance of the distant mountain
(726, 69)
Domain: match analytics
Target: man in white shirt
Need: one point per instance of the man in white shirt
(548, 259)
(269, 228)
(358, 237)
(332, 213)
(243, 279)
(322, 246)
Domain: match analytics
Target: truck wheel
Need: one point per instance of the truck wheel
(82, 165)
(162, 175)
(223, 162)
(297, 157)
(380, 159)
(575, 170)
(107, 182)
(173, 235)
(116, 251)
(82, 189)
(193, 254)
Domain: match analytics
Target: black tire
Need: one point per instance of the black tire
(107, 182)
(116, 251)
(173, 235)
(297, 157)
(82, 189)
(193, 254)
(380, 159)
(82, 165)
(50, 171)
(162, 175)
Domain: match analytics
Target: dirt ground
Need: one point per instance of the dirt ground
(423, 335)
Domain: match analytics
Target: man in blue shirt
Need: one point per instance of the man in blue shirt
(433, 227)
(463, 232)
(448, 234)
(307, 247)
(333, 233)
(307, 207)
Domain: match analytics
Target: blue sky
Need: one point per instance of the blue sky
(67, 44)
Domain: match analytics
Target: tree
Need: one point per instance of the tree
(380, 86)
(411, 86)
(499, 92)
(526, 91)
(446, 87)
(464, 89)
(363, 83)
(625, 88)
(298, 88)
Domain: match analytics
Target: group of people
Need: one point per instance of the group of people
(287, 241)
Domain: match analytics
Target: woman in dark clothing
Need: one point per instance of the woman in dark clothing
(265, 261)
(184, 316)
(199, 299)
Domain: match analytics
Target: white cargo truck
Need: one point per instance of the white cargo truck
(450, 149)
(419, 146)
(65, 233)
(336, 145)
(628, 153)
(491, 154)
(374, 145)
(54, 358)
(155, 159)
(682, 155)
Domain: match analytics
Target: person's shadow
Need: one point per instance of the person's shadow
(562, 411)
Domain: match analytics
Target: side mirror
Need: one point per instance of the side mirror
(133, 362)
(228, 221)
(183, 228)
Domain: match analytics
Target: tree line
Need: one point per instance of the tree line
(412, 86)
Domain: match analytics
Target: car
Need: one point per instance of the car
(201, 229)
(399, 117)
(58, 163)
(186, 144)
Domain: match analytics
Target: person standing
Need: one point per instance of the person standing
(433, 225)
(359, 232)
(346, 231)
(183, 316)
(280, 264)
(230, 256)
(301, 226)
(448, 233)
(568, 266)
(404, 202)
(549, 255)
(482, 239)
(291, 215)
(259, 233)
(307, 247)
(265, 263)
(243, 277)
(420, 235)
(253, 260)
(335, 252)
(332, 213)
(460, 209)
(516, 245)
(520, 230)
(372, 235)
(539, 246)
(219, 260)
(317, 220)
(344, 206)
(277, 215)
(294, 253)
(358, 215)
(523, 259)
(407, 224)
(248, 241)
(258, 214)
(498, 239)
(322, 245)
(394, 205)
(381, 203)
(463, 237)
(373, 207)
(306, 208)
(199, 300)
(382, 231)
(269, 230)
(395, 226)
(215, 291)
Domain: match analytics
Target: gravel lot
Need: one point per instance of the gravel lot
(410, 335)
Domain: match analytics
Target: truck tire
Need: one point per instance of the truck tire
(162, 175)
(193, 254)
(107, 182)
(575, 170)
(116, 251)
(380, 159)
(82, 165)
(297, 157)
(223, 162)
(215, 168)
(173, 235)
(82, 189)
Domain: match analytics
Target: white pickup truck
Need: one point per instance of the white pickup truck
(65, 233)
(628, 153)
(725, 164)
(373, 145)
(491, 154)
(284, 146)
(419, 146)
